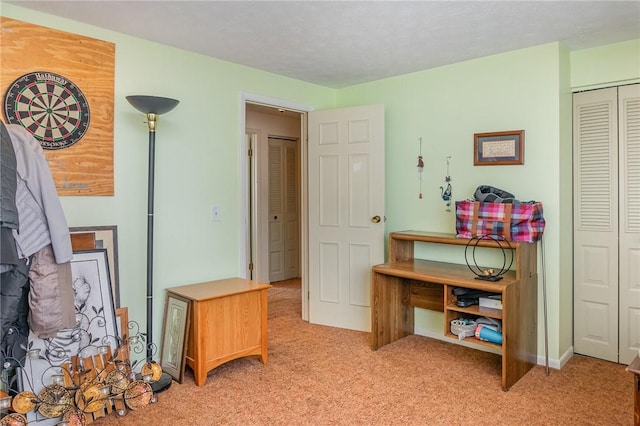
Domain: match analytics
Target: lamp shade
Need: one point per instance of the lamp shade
(152, 104)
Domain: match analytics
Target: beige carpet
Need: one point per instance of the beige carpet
(320, 375)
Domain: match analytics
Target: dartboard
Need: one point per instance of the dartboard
(50, 106)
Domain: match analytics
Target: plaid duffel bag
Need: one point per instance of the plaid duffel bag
(513, 222)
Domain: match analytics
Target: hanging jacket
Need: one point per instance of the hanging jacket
(51, 301)
(8, 209)
(43, 235)
(42, 219)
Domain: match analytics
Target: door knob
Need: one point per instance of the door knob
(375, 219)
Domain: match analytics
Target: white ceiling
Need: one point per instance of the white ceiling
(341, 43)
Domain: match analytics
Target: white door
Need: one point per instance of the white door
(607, 223)
(291, 209)
(629, 135)
(346, 213)
(276, 211)
(595, 154)
(284, 240)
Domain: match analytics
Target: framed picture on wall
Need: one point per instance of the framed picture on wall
(498, 148)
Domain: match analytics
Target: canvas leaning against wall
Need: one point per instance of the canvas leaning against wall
(95, 327)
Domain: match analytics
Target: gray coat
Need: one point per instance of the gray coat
(42, 219)
(43, 236)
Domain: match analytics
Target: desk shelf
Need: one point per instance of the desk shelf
(405, 282)
(475, 342)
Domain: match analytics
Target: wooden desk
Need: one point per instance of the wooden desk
(228, 321)
(405, 282)
(634, 368)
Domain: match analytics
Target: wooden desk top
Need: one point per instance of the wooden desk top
(215, 289)
(447, 238)
(443, 273)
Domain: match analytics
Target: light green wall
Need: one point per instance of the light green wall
(446, 106)
(196, 161)
(605, 66)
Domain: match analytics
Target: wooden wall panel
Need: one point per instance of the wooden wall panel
(86, 167)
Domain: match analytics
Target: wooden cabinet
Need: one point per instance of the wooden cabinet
(405, 282)
(228, 321)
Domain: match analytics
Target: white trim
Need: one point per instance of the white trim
(266, 100)
(558, 364)
(606, 85)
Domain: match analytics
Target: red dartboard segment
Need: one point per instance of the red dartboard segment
(49, 106)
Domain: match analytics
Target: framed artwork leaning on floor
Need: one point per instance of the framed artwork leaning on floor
(101, 237)
(174, 336)
(95, 326)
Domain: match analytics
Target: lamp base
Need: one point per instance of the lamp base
(162, 384)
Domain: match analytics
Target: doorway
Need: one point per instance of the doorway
(358, 126)
(273, 194)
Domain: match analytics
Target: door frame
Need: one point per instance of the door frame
(243, 188)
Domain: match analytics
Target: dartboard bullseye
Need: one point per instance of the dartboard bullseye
(50, 106)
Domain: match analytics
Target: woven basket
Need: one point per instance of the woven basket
(463, 325)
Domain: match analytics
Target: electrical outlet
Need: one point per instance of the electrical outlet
(216, 213)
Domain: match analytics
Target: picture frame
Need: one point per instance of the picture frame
(95, 325)
(122, 330)
(175, 334)
(122, 322)
(498, 148)
(101, 237)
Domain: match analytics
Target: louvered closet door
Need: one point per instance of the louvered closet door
(276, 211)
(595, 154)
(284, 211)
(607, 223)
(291, 210)
(629, 124)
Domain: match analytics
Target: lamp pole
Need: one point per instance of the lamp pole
(151, 121)
(152, 106)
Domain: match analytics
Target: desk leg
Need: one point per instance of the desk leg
(391, 315)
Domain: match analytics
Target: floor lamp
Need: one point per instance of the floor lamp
(153, 107)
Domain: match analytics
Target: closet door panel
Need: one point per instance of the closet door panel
(276, 211)
(596, 224)
(629, 125)
(292, 210)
